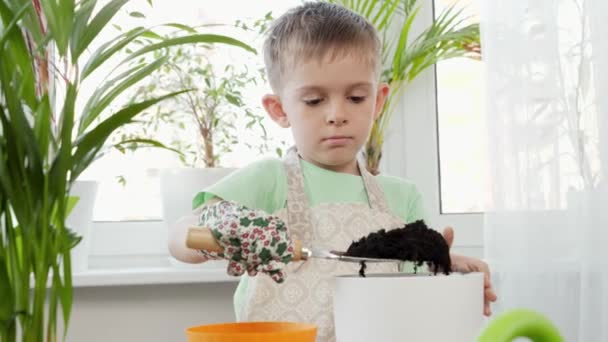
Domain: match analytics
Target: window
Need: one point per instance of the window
(420, 126)
(129, 187)
(461, 131)
(411, 149)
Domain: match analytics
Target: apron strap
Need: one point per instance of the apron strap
(375, 194)
(299, 217)
(298, 205)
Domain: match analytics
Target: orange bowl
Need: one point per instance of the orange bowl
(253, 332)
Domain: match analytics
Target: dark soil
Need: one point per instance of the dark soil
(413, 242)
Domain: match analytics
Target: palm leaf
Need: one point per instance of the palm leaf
(92, 142)
(191, 39)
(90, 31)
(139, 142)
(41, 153)
(109, 91)
(107, 50)
(81, 19)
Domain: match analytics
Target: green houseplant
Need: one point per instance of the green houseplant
(45, 144)
(206, 124)
(210, 111)
(406, 55)
(212, 108)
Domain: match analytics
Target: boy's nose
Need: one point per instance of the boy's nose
(337, 116)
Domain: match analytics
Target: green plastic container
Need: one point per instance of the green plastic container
(520, 323)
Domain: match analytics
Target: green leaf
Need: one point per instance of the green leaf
(43, 126)
(233, 100)
(11, 27)
(81, 19)
(88, 145)
(100, 100)
(151, 35)
(17, 55)
(182, 27)
(398, 63)
(7, 303)
(96, 26)
(52, 301)
(63, 161)
(121, 180)
(59, 18)
(150, 142)
(65, 293)
(24, 159)
(72, 201)
(137, 14)
(191, 39)
(107, 50)
(50, 10)
(386, 14)
(67, 9)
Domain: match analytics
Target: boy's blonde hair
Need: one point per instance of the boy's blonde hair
(316, 29)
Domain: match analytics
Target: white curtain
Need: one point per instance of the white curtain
(546, 224)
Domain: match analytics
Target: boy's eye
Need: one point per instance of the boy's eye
(357, 99)
(313, 102)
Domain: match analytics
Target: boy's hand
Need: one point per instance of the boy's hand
(252, 240)
(461, 263)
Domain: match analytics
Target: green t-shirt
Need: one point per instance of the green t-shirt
(263, 185)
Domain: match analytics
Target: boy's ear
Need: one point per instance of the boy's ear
(381, 95)
(274, 108)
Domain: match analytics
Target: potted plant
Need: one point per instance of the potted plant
(202, 124)
(45, 145)
(405, 56)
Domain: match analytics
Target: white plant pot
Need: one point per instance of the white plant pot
(178, 188)
(409, 307)
(80, 221)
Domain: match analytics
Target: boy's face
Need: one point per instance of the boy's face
(330, 106)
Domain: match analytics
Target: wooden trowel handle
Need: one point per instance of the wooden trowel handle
(201, 238)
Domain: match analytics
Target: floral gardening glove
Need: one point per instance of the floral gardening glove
(253, 240)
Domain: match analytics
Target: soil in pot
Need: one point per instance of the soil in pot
(413, 242)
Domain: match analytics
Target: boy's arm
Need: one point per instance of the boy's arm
(178, 232)
(260, 185)
(252, 240)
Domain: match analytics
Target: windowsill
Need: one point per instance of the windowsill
(150, 276)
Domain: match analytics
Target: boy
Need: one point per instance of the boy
(323, 64)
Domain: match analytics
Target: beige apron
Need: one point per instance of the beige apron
(306, 294)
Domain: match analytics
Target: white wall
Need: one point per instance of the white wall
(151, 313)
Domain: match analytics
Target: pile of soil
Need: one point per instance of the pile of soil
(413, 242)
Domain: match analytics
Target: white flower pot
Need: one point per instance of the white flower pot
(80, 221)
(409, 307)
